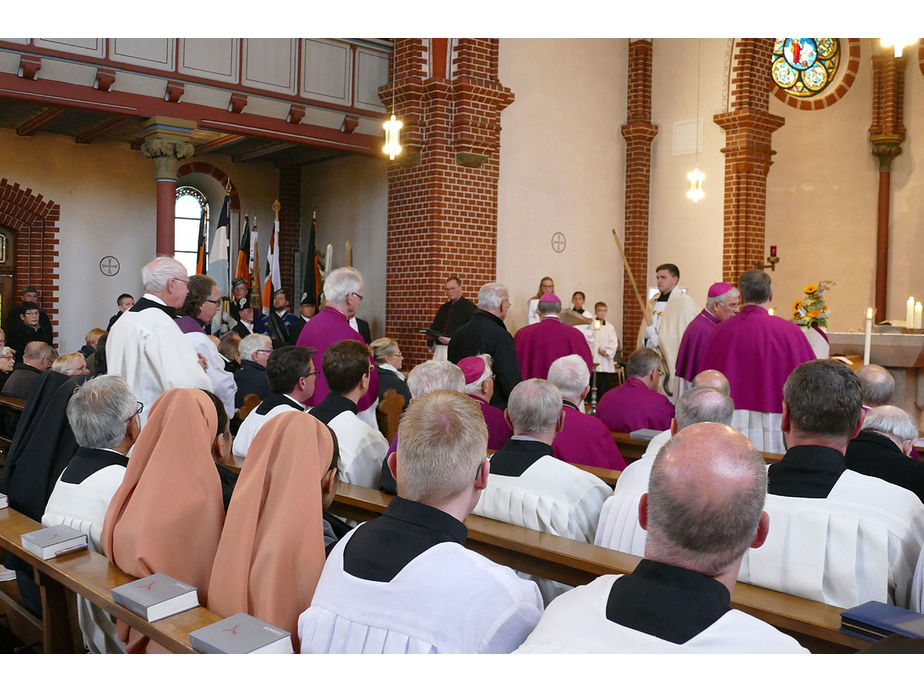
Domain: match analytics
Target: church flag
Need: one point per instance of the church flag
(200, 245)
(218, 254)
(310, 276)
(255, 264)
(273, 280)
(243, 253)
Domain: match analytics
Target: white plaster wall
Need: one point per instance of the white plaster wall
(562, 167)
(106, 192)
(350, 195)
(107, 197)
(907, 218)
(684, 233)
(821, 205)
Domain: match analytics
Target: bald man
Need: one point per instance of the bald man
(702, 511)
(618, 528)
(876, 385)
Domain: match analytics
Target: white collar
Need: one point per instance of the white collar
(389, 367)
(156, 299)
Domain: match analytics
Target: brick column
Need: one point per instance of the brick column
(165, 143)
(748, 128)
(442, 189)
(639, 131)
(886, 133)
(290, 197)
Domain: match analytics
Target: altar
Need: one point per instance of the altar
(901, 354)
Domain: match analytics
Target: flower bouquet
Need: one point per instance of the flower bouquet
(811, 310)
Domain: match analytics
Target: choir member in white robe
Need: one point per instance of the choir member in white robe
(146, 347)
(347, 369)
(103, 416)
(618, 527)
(532, 488)
(671, 310)
(604, 349)
(291, 376)
(703, 508)
(838, 536)
(546, 286)
(404, 582)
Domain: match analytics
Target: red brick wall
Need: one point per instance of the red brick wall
(639, 132)
(442, 189)
(290, 199)
(35, 221)
(748, 129)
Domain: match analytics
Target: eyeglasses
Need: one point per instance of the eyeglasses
(180, 279)
(359, 296)
(216, 301)
(311, 373)
(137, 411)
(264, 351)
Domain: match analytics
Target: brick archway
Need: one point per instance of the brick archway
(217, 174)
(35, 221)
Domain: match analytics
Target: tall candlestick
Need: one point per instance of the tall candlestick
(918, 316)
(909, 312)
(869, 331)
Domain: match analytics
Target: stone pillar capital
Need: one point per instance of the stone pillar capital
(886, 148)
(166, 142)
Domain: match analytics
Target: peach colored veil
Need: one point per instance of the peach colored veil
(167, 515)
(271, 552)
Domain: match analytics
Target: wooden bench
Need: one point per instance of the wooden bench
(91, 575)
(633, 449)
(813, 624)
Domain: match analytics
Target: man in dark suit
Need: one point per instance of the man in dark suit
(28, 329)
(486, 333)
(36, 358)
(251, 376)
(883, 446)
(12, 323)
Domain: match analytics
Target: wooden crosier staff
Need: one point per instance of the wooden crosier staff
(645, 315)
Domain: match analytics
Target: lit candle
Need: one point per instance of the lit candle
(909, 312)
(918, 315)
(869, 332)
(770, 311)
(597, 324)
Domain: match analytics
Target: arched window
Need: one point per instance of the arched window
(804, 66)
(191, 213)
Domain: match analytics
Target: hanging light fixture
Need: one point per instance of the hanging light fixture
(696, 177)
(392, 126)
(897, 44)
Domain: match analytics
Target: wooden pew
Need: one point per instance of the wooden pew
(813, 624)
(633, 449)
(92, 576)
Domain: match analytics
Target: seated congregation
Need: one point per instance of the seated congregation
(139, 454)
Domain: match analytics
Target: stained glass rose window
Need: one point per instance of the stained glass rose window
(804, 66)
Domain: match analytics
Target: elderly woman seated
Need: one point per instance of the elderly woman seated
(388, 360)
(71, 364)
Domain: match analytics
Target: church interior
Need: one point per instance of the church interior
(521, 158)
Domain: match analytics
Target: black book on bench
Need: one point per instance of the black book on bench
(156, 596)
(876, 620)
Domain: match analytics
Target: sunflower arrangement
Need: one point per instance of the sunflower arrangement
(811, 310)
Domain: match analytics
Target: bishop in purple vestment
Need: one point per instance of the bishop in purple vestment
(479, 385)
(637, 403)
(583, 439)
(755, 350)
(538, 345)
(722, 303)
(343, 291)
